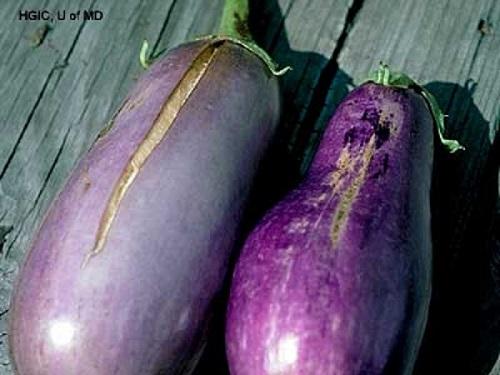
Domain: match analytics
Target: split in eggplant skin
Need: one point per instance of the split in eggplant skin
(122, 273)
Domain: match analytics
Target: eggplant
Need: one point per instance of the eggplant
(121, 276)
(336, 278)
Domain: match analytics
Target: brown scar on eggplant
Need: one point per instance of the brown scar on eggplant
(109, 125)
(105, 130)
(154, 136)
(387, 113)
(349, 196)
(343, 166)
(126, 106)
(138, 100)
(87, 182)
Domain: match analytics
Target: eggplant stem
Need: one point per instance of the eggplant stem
(233, 28)
(234, 21)
(383, 76)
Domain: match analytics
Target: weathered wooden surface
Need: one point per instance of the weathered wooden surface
(55, 98)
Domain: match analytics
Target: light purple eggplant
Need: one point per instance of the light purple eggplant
(122, 273)
(336, 278)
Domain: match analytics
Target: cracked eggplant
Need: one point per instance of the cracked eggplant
(122, 273)
(336, 278)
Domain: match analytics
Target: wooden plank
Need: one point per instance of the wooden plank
(57, 96)
(21, 91)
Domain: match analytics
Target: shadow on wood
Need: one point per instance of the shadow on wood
(463, 199)
(486, 353)
(489, 317)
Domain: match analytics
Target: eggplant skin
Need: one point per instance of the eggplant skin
(335, 280)
(135, 299)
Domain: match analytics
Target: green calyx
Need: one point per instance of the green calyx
(233, 28)
(383, 76)
(252, 47)
(144, 59)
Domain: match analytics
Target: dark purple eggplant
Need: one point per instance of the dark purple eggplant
(336, 279)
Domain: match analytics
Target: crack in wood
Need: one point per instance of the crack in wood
(40, 192)
(324, 83)
(4, 232)
(162, 30)
(39, 99)
(275, 38)
(26, 124)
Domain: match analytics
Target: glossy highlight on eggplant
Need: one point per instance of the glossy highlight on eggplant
(336, 278)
